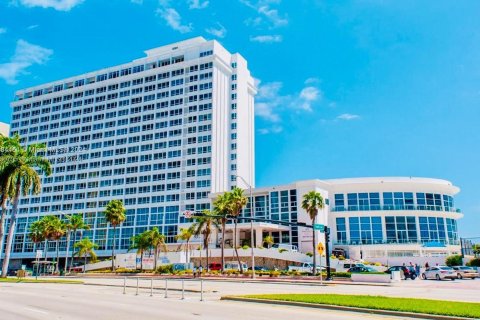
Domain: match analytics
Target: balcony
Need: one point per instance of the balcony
(391, 242)
(394, 207)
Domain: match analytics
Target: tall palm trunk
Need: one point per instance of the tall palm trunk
(85, 263)
(73, 250)
(11, 231)
(113, 247)
(186, 251)
(2, 223)
(57, 266)
(224, 221)
(235, 246)
(155, 255)
(206, 253)
(66, 253)
(314, 241)
(141, 261)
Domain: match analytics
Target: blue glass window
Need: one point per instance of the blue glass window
(341, 230)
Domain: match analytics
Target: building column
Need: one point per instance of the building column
(258, 237)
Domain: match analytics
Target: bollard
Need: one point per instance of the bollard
(124, 285)
(183, 289)
(137, 288)
(151, 287)
(201, 290)
(166, 288)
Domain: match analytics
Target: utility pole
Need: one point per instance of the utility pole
(326, 230)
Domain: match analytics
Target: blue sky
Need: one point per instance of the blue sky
(346, 88)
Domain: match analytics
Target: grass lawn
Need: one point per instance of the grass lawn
(32, 280)
(437, 307)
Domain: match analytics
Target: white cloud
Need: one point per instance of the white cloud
(312, 80)
(348, 116)
(3, 30)
(33, 26)
(137, 1)
(274, 129)
(197, 4)
(307, 96)
(267, 15)
(270, 102)
(26, 55)
(219, 32)
(60, 5)
(174, 20)
(273, 16)
(267, 38)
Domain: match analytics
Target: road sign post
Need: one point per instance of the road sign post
(318, 227)
(320, 250)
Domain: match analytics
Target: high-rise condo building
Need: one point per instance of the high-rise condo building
(161, 133)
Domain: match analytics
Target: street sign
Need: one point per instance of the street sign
(320, 248)
(318, 227)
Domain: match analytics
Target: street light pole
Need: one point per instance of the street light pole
(252, 241)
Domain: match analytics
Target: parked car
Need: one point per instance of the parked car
(439, 273)
(258, 268)
(407, 272)
(215, 266)
(465, 272)
(233, 265)
(287, 247)
(361, 269)
(306, 267)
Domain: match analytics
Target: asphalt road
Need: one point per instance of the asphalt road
(458, 290)
(62, 301)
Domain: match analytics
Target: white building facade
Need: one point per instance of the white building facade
(375, 219)
(160, 133)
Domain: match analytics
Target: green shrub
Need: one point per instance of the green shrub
(245, 247)
(341, 274)
(282, 250)
(309, 254)
(454, 261)
(340, 257)
(167, 268)
(474, 262)
(230, 272)
(275, 273)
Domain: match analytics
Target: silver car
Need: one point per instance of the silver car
(465, 272)
(439, 273)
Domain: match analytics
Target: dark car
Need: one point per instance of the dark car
(361, 269)
(407, 271)
(258, 268)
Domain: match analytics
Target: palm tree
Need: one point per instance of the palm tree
(21, 170)
(205, 225)
(186, 234)
(54, 229)
(236, 202)
(86, 248)
(269, 241)
(7, 147)
(115, 215)
(157, 242)
(220, 207)
(75, 222)
(141, 243)
(37, 234)
(312, 202)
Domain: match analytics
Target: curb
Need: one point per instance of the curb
(344, 308)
